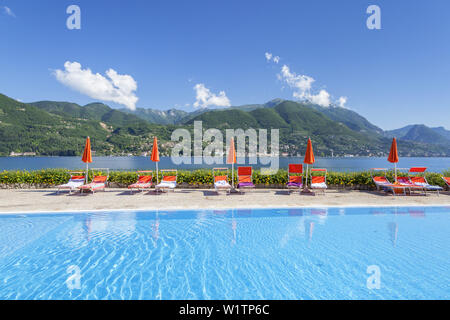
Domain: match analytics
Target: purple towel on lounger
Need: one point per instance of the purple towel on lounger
(295, 184)
(246, 184)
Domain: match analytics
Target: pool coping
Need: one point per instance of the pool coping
(172, 209)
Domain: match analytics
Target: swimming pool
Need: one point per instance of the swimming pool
(304, 253)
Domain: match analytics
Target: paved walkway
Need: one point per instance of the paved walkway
(47, 200)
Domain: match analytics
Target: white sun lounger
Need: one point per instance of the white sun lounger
(221, 180)
(168, 182)
(76, 180)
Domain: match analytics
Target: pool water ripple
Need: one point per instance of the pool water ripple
(304, 253)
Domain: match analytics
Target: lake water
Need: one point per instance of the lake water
(141, 163)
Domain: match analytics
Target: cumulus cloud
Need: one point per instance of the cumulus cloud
(342, 101)
(205, 98)
(302, 85)
(271, 57)
(114, 87)
(8, 11)
(322, 98)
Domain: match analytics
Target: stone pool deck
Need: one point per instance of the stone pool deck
(47, 200)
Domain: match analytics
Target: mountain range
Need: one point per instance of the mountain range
(421, 133)
(59, 128)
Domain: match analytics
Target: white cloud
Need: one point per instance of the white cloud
(342, 101)
(300, 83)
(115, 87)
(205, 98)
(8, 11)
(322, 98)
(271, 57)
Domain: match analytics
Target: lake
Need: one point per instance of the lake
(144, 163)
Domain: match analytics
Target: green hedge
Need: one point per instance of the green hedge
(53, 177)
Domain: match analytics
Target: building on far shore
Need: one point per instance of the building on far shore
(22, 154)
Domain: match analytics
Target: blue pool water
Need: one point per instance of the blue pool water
(310, 253)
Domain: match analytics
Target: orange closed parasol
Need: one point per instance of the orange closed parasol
(231, 159)
(87, 156)
(309, 159)
(393, 156)
(309, 155)
(155, 155)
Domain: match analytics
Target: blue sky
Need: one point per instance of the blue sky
(395, 76)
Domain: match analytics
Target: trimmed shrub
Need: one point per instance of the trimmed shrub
(53, 177)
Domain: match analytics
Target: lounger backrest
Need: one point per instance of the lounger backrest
(447, 180)
(417, 169)
(169, 178)
(245, 174)
(145, 179)
(404, 180)
(317, 179)
(381, 180)
(77, 177)
(220, 178)
(220, 174)
(295, 179)
(295, 173)
(100, 179)
(245, 179)
(295, 169)
(418, 180)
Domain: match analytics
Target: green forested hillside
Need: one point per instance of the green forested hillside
(54, 128)
(348, 117)
(298, 121)
(60, 128)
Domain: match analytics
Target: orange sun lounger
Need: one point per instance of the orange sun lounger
(144, 181)
(447, 181)
(97, 183)
(295, 176)
(421, 181)
(319, 182)
(380, 181)
(245, 180)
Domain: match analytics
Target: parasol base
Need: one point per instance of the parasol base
(307, 192)
(234, 190)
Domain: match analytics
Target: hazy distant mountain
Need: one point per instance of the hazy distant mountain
(250, 107)
(170, 116)
(92, 111)
(350, 118)
(442, 131)
(421, 133)
(247, 107)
